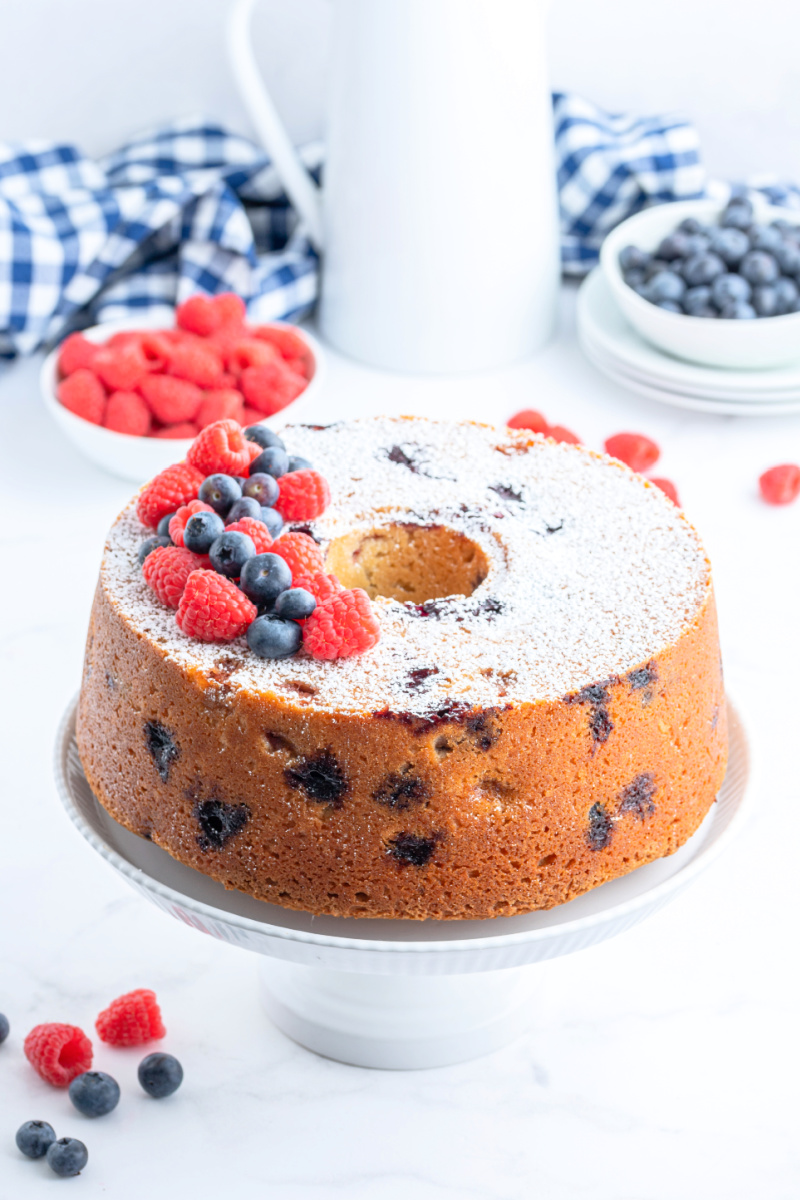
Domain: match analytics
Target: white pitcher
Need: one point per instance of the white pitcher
(437, 221)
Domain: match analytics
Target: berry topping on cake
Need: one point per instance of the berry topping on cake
(301, 552)
(178, 522)
(202, 530)
(271, 460)
(261, 487)
(221, 492)
(263, 437)
(264, 577)
(166, 571)
(150, 544)
(131, 1020)
(295, 603)
(320, 586)
(230, 552)
(272, 636)
(256, 530)
(304, 495)
(170, 489)
(58, 1052)
(342, 626)
(222, 448)
(246, 507)
(212, 609)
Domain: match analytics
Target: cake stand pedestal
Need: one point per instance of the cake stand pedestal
(400, 994)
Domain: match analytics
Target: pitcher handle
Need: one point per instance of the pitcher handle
(300, 187)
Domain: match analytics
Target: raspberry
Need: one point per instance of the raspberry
(166, 570)
(634, 449)
(251, 352)
(221, 448)
(528, 418)
(76, 351)
(293, 349)
(668, 488)
(321, 586)
(301, 554)
(212, 608)
(58, 1052)
(257, 530)
(126, 412)
(83, 394)
(184, 429)
(270, 387)
(230, 308)
(559, 434)
(131, 1020)
(341, 626)
(199, 315)
(178, 522)
(171, 400)
(121, 368)
(156, 348)
(304, 495)
(254, 449)
(170, 489)
(219, 405)
(196, 361)
(780, 485)
(127, 337)
(251, 416)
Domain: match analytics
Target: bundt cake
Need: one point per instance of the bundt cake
(543, 711)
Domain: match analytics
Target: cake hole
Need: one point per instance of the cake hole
(547, 861)
(409, 563)
(442, 747)
(278, 744)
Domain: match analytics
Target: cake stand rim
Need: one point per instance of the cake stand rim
(650, 899)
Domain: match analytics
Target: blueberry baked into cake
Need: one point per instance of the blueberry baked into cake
(447, 671)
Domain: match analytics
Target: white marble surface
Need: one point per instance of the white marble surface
(660, 1066)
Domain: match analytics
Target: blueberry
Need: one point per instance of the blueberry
(295, 603)
(160, 1075)
(765, 301)
(655, 266)
(220, 491)
(162, 529)
(4, 1027)
(738, 214)
(263, 437)
(147, 547)
(788, 293)
(296, 463)
(788, 256)
(691, 225)
(274, 637)
(264, 577)
(230, 552)
(670, 306)
(707, 312)
(94, 1093)
(730, 289)
(246, 507)
(703, 268)
(632, 257)
(672, 246)
(697, 243)
(759, 267)
(696, 298)
(201, 530)
(666, 285)
(263, 488)
(730, 244)
(272, 461)
(273, 521)
(634, 278)
(765, 237)
(67, 1156)
(738, 312)
(34, 1138)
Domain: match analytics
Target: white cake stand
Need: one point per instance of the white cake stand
(399, 994)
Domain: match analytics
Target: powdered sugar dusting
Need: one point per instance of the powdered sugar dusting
(592, 572)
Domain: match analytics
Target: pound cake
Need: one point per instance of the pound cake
(540, 709)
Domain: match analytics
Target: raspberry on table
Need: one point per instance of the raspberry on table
(178, 522)
(560, 434)
(76, 351)
(83, 394)
(196, 361)
(300, 552)
(126, 412)
(341, 626)
(183, 430)
(121, 368)
(212, 609)
(170, 489)
(221, 448)
(220, 404)
(668, 488)
(780, 485)
(320, 586)
(171, 400)
(166, 570)
(638, 452)
(304, 495)
(528, 418)
(58, 1052)
(131, 1020)
(256, 530)
(271, 387)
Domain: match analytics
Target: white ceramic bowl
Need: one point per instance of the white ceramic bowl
(767, 342)
(140, 458)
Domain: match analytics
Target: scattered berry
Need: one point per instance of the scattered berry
(171, 400)
(780, 485)
(304, 495)
(196, 361)
(179, 521)
(264, 577)
(160, 1075)
(295, 604)
(58, 1052)
(76, 351)
(341, 626)
(560, 434)
(262, 487)
(220, 448)
(263, 437)
(202, 529)
(67, 1156)
(148, 546)
(4, 1028)
(271, 387)
(126, 412)
(634, 449)
(230, 552)
(273, 637)
(668, 488)
(83, 394)
(220, 491)
(166, 571)
(301, 553)
(246, 507)
(35, 1138)
(272, 460)
(213, 609)
(320, 586)
(256, 530)
(296, 463)
(121, 368)
(220, 405)
(131, 1020)
(183, 429)
(94, 1093)
(198, 315)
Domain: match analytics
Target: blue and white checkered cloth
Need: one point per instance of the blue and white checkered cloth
(192, 207)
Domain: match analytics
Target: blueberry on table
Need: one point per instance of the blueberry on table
(162, 529)
(631, 257)
(34, 1138)
(147, 547)
(296, 463)
(738, 312)
(274, 637)
(246, 507)
(273, 521)
(67, 1156)
(666, 285)
(730, 244)
(738, 214)
(94, 1093)
(703, 268)
(201, 530)
(696, 298)
(272, 461)
(4, 1027)
(758, 266)
(262, 488)
(220, 491)
(230, 552)
(160, 1075)
(264, 577)
(765, 301)
(263, 437)
(295, 604)
(730, 289)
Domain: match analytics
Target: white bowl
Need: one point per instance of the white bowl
(766, 342)
(140, 458)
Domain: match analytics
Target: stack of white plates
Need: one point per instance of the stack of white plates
(619, 352)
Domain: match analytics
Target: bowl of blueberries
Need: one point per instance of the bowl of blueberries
(711, 282)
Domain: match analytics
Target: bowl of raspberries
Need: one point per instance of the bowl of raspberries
(714, 283)
(133, 395)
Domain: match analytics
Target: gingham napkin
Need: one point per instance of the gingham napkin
(192, 207)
